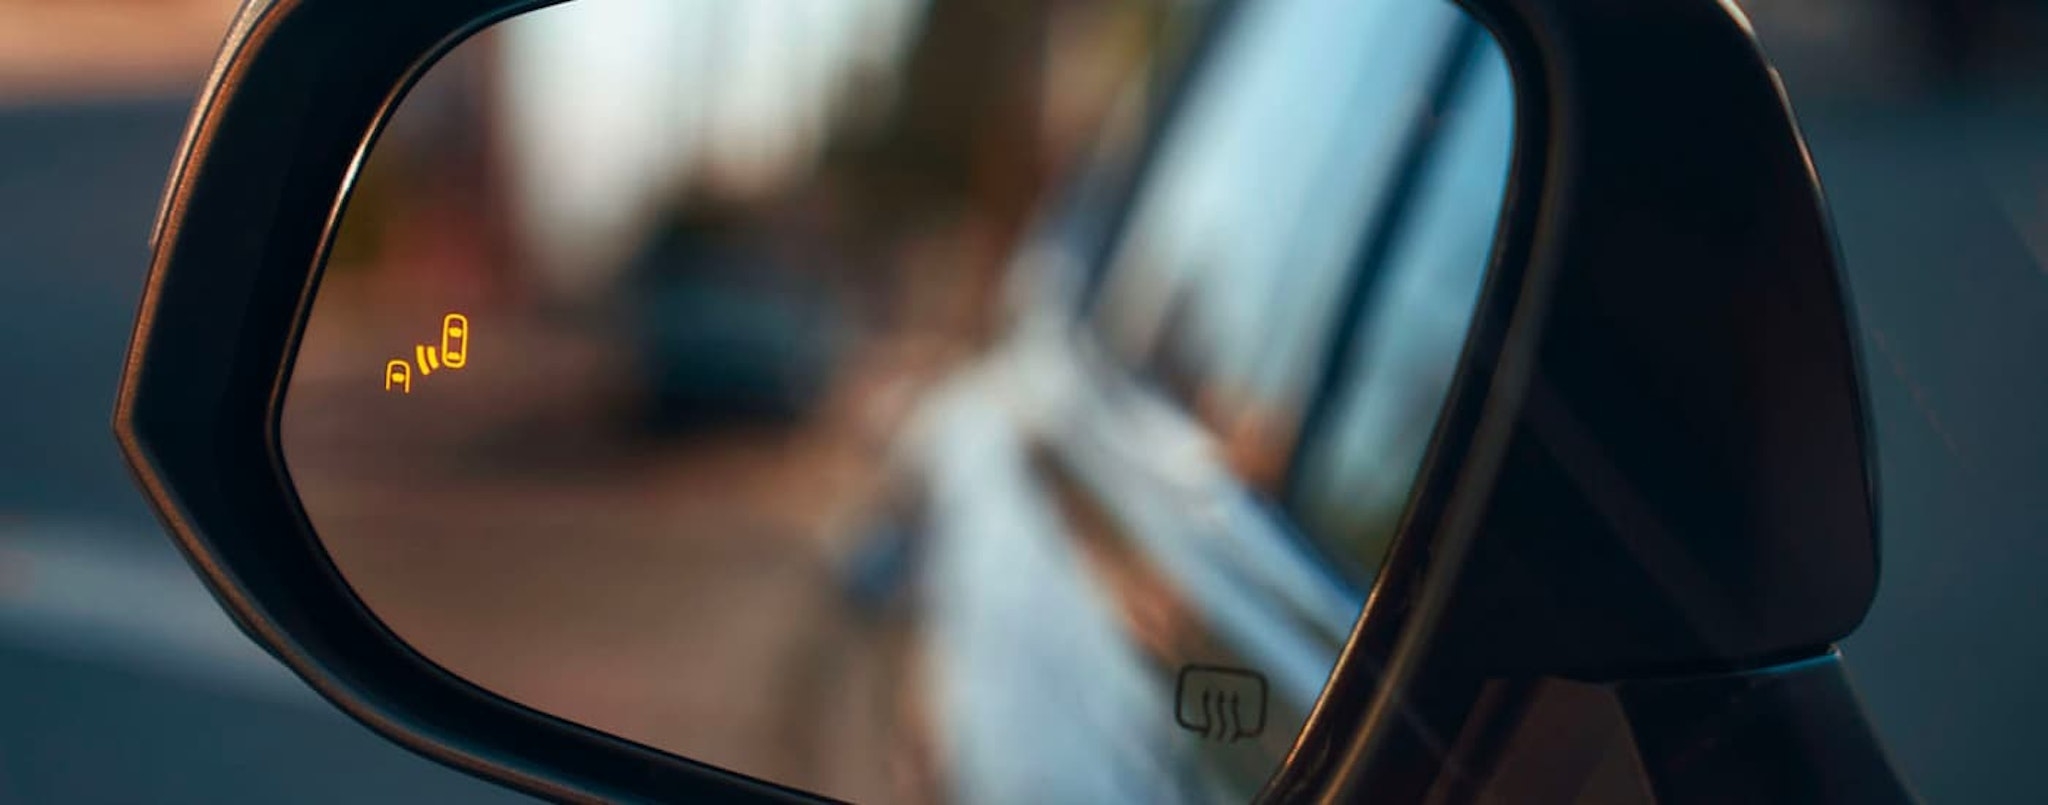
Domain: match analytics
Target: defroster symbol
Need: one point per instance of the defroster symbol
(1223, 704)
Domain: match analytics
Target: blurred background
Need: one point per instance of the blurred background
(121, 682)
(707, 254)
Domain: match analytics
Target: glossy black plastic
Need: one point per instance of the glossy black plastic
(1655, 461)
(1686, 487)
(1688, 484)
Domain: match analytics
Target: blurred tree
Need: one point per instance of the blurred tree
(948, 182)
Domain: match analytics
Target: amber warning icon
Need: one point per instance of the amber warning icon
(398, 375)
(451, 353)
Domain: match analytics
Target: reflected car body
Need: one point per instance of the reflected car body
(723, 331)
(1062, 526)
(714, 351)
(1093, 519)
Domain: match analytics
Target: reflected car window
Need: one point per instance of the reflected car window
(626, 311)
(657, 379)
(1241, 238)
(1359, 469)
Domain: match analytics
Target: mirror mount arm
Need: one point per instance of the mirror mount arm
(1789, 732)
(1793, 732)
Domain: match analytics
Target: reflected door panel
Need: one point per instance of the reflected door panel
(661, 376)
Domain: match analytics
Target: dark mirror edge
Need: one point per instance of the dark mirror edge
(1734, 310)
(215, 477)
(301, 88)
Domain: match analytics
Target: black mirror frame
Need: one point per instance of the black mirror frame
(302, 87)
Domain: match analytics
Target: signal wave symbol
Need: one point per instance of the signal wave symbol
(427, 357)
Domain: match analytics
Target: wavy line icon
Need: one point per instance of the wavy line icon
(1221, 704)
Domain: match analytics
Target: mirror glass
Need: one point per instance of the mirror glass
(904, 400)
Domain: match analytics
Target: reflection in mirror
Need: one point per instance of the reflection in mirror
(735, 377)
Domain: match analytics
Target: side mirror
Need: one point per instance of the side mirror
(558, 388)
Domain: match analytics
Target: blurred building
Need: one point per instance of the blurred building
(911, 139)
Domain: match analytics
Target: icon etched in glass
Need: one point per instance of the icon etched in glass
(398, 375)
(1223, 704)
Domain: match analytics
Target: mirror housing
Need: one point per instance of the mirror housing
(1668, 471)
(1689, 483)
(1654, 461)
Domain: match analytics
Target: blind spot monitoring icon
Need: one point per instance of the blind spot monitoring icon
(453, 353)
(1222, 704)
